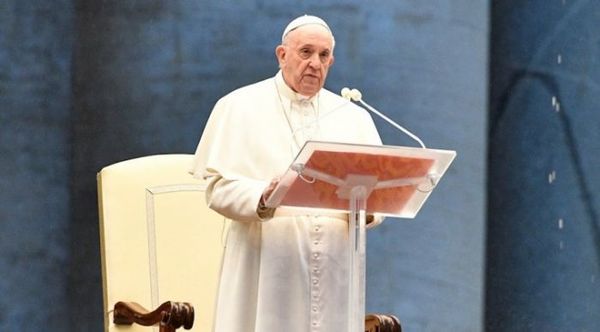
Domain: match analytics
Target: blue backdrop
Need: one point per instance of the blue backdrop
(543, 228)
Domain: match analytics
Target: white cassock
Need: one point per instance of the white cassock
(288, 273)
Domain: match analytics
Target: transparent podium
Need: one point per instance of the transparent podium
(361, 180)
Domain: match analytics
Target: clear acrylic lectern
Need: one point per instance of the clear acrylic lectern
(360, 179)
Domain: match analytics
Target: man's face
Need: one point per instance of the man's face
(305, 58)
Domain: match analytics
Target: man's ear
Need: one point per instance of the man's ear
(280, 53)
(331, 60)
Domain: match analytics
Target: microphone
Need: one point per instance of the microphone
(356, 95)
(353, 94)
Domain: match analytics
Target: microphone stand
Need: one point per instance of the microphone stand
(356, 95)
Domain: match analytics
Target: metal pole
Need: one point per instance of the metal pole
(357, 242)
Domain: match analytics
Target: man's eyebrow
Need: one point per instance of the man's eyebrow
(308, 45)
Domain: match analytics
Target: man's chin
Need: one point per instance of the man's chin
(310, 89)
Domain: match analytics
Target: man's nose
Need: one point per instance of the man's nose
(314, 61)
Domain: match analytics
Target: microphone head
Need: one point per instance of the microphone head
(346, 93)
(355, 95)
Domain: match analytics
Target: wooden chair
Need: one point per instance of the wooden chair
(161, 248)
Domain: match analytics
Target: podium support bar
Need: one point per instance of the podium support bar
(357, 246)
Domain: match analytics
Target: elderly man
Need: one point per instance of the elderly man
(283, 269)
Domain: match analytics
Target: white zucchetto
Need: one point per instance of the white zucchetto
(305, 20)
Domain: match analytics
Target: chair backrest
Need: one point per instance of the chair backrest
(159, 240)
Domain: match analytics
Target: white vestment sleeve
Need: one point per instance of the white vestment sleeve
(235, 199)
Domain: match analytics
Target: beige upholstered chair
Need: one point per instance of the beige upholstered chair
(159, 244)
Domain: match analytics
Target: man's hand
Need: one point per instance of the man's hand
(269, 190)
(262, 209)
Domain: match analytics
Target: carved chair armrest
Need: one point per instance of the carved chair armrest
(382, 323)
(170, 315)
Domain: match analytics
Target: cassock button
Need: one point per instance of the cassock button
(316, 255)
(315, 281)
